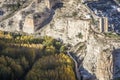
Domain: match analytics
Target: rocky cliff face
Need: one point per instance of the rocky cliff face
(17, 20)
(70, 21)
(96, 60)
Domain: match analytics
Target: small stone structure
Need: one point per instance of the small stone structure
(103, 24)
(28, 26)
(51, 3)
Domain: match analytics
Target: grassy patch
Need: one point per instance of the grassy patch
(112, 35)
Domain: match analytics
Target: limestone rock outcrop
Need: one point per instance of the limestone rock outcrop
(101, 60)
(42, 11)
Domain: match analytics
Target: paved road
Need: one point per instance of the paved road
(76, 66)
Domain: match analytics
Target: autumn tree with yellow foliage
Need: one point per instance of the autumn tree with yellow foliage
(24, 57)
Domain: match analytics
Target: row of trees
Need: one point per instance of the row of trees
(48, 62)
(54, 67)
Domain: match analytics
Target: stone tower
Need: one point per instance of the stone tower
(103, 24)
(51, 3)
(47, 2)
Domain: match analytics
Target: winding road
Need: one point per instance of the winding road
(76, 66)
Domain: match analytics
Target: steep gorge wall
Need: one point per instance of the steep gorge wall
(99, 60)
